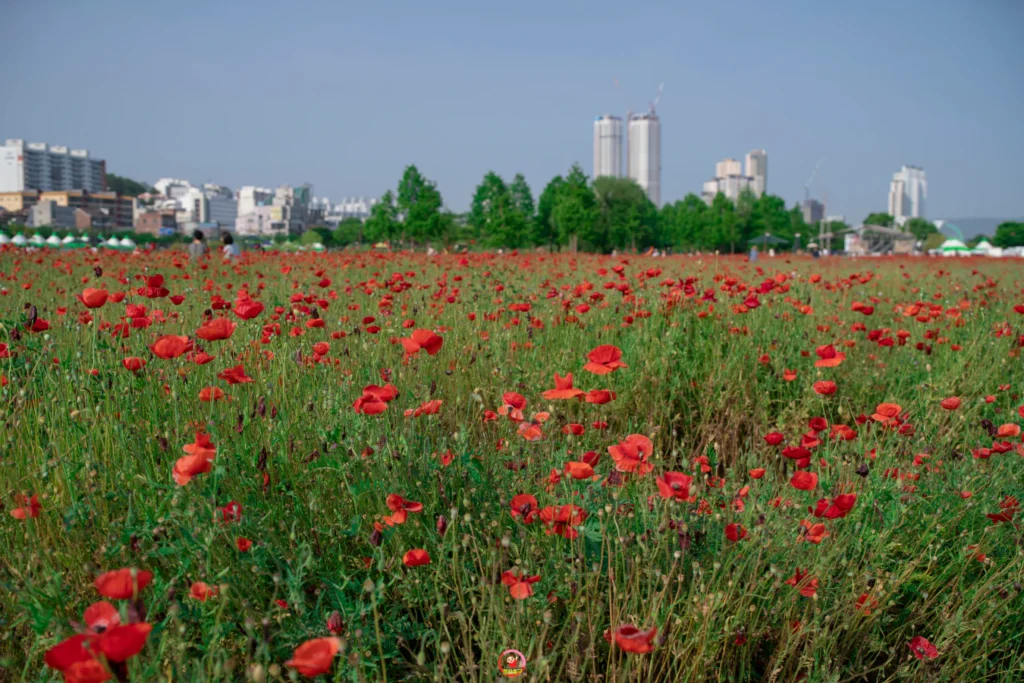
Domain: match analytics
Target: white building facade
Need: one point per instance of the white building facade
(908, 192)
(39, 166)
(645, 154)
(757, 168)
(608, 146)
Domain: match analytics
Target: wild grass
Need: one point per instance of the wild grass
(705, 380)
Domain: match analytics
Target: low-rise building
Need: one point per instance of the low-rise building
(156, 223)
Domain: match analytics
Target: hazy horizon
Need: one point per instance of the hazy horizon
(345, 96)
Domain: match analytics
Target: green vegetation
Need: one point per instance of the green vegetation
(126, 186)
(833, 471)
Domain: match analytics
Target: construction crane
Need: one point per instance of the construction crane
(657, 98)
(814, 174)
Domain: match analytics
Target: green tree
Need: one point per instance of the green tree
(920, 228)
(490, 210)
(349, 231)
(724, 224)
(1009, 234)
(382, 224)
(522, 203)
(420, 203)
(624, 216)
(575, 207)
(684, 224)
(771, 216)
(324, 235)
(544, 225)
(126, 186)
(879, 219)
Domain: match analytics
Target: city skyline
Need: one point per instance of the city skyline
(495, 104)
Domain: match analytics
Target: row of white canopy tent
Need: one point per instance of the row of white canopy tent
(954, 247)
(69, 242)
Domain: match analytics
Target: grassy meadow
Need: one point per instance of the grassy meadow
(789, 470)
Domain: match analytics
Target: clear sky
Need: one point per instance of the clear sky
(344, 95)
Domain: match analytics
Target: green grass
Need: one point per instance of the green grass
(99, 451)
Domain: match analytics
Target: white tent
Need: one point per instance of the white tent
(983, 247)
(112, 243)
(954, 248)
(53, 240)
(19, 240)
(127, 243)
(4, 239)
(68, 239)
(37, 240)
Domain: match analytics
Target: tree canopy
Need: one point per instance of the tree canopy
(573, 211)
(1009, 234)
(126, 186)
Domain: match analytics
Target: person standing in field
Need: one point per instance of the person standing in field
(198, 248)
(230, 249)
(753, 254)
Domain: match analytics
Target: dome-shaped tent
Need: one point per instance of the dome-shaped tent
(68, 239)
(127, 243)
(19, 240)
(53, 240)
(954, 248)
(4, 239)
(112, 243)
(37, 240)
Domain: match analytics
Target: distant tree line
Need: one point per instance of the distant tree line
(573, 212)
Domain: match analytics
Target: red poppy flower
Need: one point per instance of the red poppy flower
(674, 485)
(122, 584)
(29, 507)
(374, 399)
(788, 375)
(235, 375)
(201, 591)
(170, 346)
(416, 558)
(632, 454)
(321, 348)
(397, 503)
(133, 363)
(93, 298)
(804, 480)
(208, 394)
(600, 396)
(422, 339)
(756, 473)
(774, 438)
(807, 586)
(825, 388)
(631, 639)
(122, 642)
(604, 359)
(524, 506)
(735, 532)
(951, 403)
(828, 357)
(836, 508)
(520, 587)
(922, 649)
(574, 429)
(513, 406)
(563, 389)
(100, 616)
(248, 309)
(531, 431)
(314, 657)
(198, 461)
(813, 533)
(243, 544)
(216, 329)
(886, 412)
(579, 470)
(561, 521)
(426, 408)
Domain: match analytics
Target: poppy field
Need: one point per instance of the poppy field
(392, 466)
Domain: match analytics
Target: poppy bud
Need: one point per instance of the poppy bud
(442, 524)
(334, 623)
(98, 271)
(863, 470)
(375, 538)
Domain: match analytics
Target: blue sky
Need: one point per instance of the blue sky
(344, 95)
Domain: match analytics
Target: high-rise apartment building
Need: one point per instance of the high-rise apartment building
(728, 167)
(39, 166)
(908, 191)
(645, 154)
(757, 168)
(607, 146)
(813, 211)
